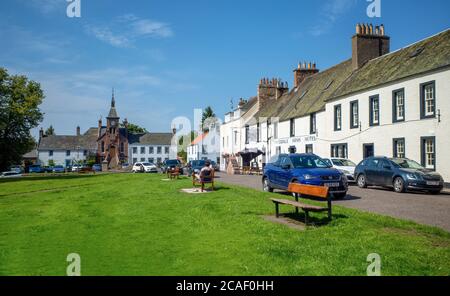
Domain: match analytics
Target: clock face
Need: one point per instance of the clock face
(113, 123)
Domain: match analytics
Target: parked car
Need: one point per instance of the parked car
(10, 174)
(35, 169)
(195, 166)
(77, 167)
(17, 169)
(400, 173)
(346, 166)
(144, 167)
(47, 169)
(307, 169)
(58, 169)
(170, 164)
(215, 166)
(97, 167)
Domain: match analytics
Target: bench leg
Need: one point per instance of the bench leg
(329, 207)
(306, 217)
(277, 210)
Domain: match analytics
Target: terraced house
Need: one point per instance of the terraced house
(375, 103)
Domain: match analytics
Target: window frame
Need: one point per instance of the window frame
(309, 146)
(395, 142)
(337, 145)
(372, 110)
(336, 128)
(423, 113)
(395, 118)
(292, 127)
(423, 151)
(352, 103)
(312, 124)
(247, 134)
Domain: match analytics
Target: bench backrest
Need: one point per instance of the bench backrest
(316, 191)
(207, 175)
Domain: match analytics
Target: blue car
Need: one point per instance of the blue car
(97, 167)
(58, 169)
(402, 174)
(306, 169)
(35, 169)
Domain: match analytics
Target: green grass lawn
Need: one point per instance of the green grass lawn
(127, 224)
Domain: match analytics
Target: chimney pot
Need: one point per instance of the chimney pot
(78, 131)
(382, 30)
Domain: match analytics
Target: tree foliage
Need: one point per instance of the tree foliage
(19, 113)
(50, 131)
(134, 128)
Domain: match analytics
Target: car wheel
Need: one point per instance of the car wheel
(362, 181)
(266, 186)
(399, 185)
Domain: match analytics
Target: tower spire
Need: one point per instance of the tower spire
(113, 100)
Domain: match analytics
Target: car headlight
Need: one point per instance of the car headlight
(345, 172)
(308, 177)
(411, 176)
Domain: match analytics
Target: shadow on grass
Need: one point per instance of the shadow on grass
(314, 219)
(47, 177)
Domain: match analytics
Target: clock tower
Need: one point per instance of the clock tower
(113, 141)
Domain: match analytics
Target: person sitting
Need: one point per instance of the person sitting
(205, 171)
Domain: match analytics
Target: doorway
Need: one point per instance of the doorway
(368, 150)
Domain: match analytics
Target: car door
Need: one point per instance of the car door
(385, 173)
(371, 171)
(285, 174)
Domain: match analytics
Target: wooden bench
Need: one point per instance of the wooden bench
(205, 178)
(173, 173)
(309, 190)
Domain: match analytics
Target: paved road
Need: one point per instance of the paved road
(422, 208)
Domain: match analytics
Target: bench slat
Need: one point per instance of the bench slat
(299, 205)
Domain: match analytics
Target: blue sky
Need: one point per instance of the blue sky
(166, 58)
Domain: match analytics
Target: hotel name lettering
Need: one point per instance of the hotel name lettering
(297, 140)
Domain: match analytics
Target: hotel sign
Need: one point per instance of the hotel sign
(297, 140)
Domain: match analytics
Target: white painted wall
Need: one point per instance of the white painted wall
(138, 156)
(59, 157)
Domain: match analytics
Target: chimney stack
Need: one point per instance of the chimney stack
(100, 125)
(78, 131)
(304, 70)
(368, 43)
(271, 89)
(41, 133)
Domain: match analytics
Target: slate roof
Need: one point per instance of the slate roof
(88, 141)
(150, 139)
(424, 56)
(112, 113)
(316, 90)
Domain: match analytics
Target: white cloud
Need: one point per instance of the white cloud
(331, 11)
(128, 28)
(106, 35)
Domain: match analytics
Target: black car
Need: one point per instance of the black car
(195, 166)
(400, 173)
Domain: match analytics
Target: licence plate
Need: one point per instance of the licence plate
(331, 184)
(433, 183)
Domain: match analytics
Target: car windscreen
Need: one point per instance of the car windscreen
(198, 163)
(406, 163)
(172, 162)
(146, 164)
(308, 161)
(343, 162)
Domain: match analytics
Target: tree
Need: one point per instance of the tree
(208, 118)
(134, 128)
(19, 113)
(207, 113)
(50, 131)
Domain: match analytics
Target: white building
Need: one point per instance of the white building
(150, 147)
(376, 103)
(206, 145)
(67, 150)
